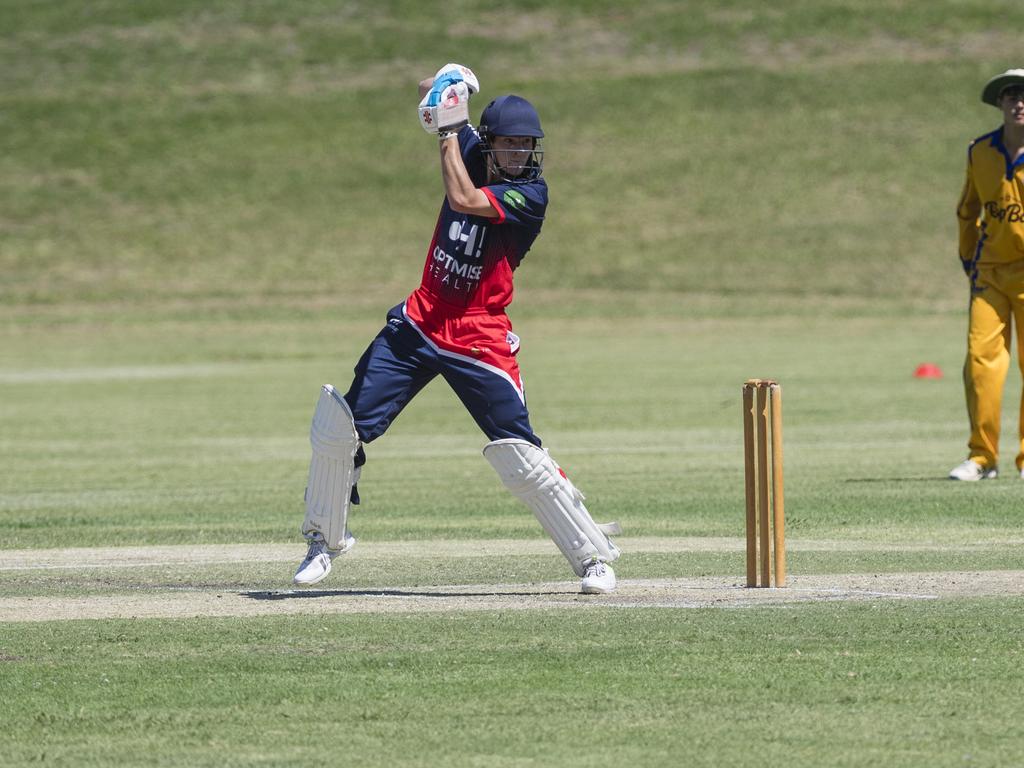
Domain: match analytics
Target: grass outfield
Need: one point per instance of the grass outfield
(826, 685)
(206, 209)
(191, 449)
(157, 152)
(135, 450)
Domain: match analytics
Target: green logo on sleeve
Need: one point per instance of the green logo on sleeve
(514, 199)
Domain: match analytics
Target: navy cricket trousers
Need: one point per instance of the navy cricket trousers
(400, 361)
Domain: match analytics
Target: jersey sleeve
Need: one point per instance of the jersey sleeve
(522, 205)
(968, 211)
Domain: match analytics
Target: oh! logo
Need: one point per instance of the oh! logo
(468, 239)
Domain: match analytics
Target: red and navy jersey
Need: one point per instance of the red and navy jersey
(471, 258)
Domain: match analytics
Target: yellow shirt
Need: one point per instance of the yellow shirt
(990, 212)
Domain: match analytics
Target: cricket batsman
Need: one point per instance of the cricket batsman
(454, 325)
(991, 219)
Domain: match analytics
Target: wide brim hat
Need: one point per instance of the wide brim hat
(994, 87)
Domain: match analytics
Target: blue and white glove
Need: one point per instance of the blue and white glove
(457, 72)
(445, 107)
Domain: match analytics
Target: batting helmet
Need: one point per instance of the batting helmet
(513, 115)
(510, 115)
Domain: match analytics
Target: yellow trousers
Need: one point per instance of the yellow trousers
(998, 297)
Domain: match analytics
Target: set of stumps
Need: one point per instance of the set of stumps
(766, 512)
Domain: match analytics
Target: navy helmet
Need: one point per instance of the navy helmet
(512, 115)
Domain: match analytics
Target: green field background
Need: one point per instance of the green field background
(206, 209)
(228, 153)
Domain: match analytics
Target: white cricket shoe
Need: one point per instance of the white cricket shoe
(317, 564)
(971, 471)
(598, 579)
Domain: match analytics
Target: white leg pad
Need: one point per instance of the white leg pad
(332, 471)
(536, 480)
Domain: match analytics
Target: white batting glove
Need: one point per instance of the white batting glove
(445, 108)
(445, 111)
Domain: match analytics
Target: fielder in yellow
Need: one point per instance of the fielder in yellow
(991, 217)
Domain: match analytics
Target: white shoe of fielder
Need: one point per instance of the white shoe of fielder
(971, 471)
(317, 563)
(598, 579)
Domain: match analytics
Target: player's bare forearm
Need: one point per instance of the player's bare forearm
(463, 195)
(425, 86)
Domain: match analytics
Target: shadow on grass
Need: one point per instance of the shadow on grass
(897, 480)
(308, 593)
